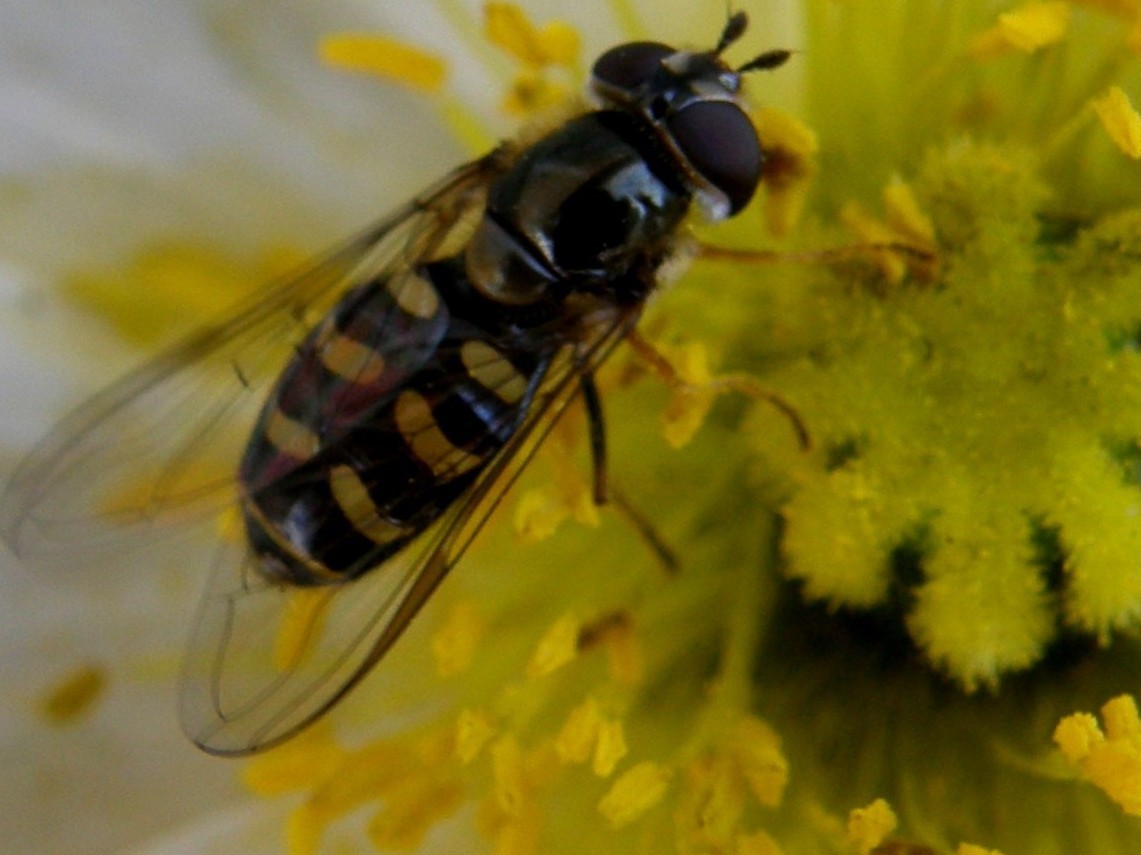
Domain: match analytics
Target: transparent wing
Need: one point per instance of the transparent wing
(163, 443)
(267, 660)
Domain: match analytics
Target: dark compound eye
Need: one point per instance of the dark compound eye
(628, 66)
(721, 144)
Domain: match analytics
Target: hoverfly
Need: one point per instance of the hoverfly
(444, 343)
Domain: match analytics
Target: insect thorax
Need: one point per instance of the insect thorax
(593, 206)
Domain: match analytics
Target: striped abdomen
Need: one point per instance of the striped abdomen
(387, 412)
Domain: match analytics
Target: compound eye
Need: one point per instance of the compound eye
(628, 66)
(721, 144)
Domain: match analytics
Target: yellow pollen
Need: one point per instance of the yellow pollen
(1110, 760)
(556, 648)
(454, 644)
(634, 793)
(301, 623)
(972, 849)
(385, 57)
(73, 696)
(1121, 121)
(310, 756)
(868, 827)
(473, 730)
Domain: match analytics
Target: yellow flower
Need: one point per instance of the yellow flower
(895, 453)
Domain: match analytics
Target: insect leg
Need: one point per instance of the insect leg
(593, 403)
(921, 261)
(740, 383)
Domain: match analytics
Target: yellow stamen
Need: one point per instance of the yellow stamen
(538, 514)
(790, 146)
(310, 756)
(473, 730)
(410, 812)
(1110, 760)
(905, 216)
(871, 230)
(634, 793)
(757, 751)
(1121, 121)
(868, 827)
(685, 412)
(509, 771)
(758, 843)
(579, 734)
(385, 57)
(454, 644)
(507, 27)
(555, 649)
(610, 747)
(1028, 28)
(74, 695)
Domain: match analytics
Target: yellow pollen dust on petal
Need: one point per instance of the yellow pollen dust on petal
(634, 793)
(1028, 28)
(1109, 759)
(301, 623)
(454, 644)
(869, 826)
(1121, 121)
(556, 648)
(386, 57)
(75, 695)
(474, 730)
